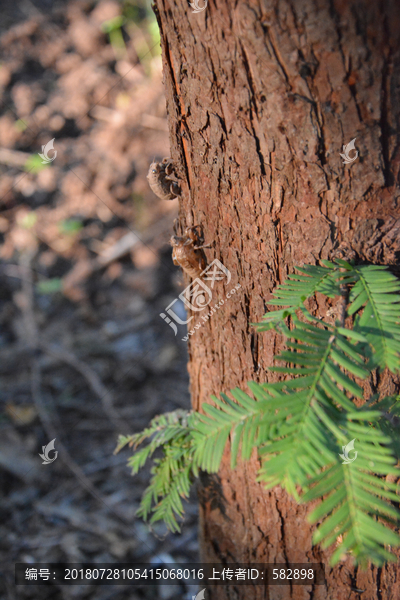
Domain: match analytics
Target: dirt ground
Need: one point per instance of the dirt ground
(85, 271)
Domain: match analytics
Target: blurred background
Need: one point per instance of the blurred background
(85, 271)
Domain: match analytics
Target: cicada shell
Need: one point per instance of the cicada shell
(161, 180)
(188, 252)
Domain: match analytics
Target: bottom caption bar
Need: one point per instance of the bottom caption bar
(168, 574)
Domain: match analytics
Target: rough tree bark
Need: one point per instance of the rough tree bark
(261, 97)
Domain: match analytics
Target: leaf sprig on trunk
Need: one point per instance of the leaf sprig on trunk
(301, 425)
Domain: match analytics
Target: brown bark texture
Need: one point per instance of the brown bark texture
(261, 98)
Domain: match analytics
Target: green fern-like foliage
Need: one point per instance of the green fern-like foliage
(358, 499)
(304, 425)
(172, 473)
(379, 291)
(295, 291)
(320, 394)
(242, 420)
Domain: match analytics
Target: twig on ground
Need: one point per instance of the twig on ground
(94, 381)
(13, 158)
(32, 339)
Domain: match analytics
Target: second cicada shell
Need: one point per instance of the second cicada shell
(187, 252)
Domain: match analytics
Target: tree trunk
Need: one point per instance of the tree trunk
(261, 98)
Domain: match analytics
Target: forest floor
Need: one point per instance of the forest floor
(85, 272)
